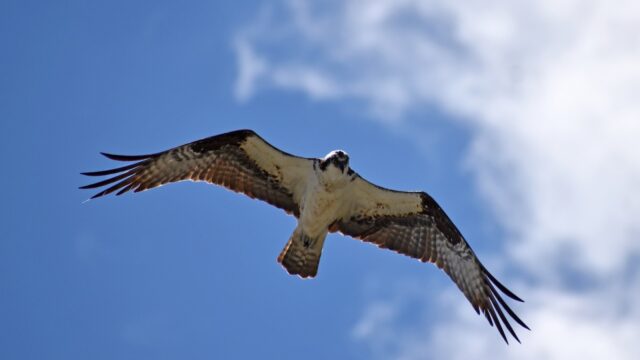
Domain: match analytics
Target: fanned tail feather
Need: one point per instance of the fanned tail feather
(301, 255)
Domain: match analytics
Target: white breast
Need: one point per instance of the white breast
(324, 200)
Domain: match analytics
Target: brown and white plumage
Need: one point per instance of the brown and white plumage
(240, 161)
(413, 224)
(325, 195)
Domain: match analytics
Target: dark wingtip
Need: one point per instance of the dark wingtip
(125, 189)
(111, 171)
(97, 195)
(109, 180)
(127, 157)
(493, 315)
(507, 308)
(502, 288)
(493, 311)
(504, 319)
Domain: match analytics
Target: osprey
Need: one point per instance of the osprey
(325, 195)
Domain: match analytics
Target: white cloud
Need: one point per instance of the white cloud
(252, 68)
(551, 90)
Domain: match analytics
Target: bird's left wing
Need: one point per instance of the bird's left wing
(413, 224)
(239, 160)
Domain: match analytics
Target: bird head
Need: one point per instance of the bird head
(337, 158)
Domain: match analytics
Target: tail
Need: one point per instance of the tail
(301, 255)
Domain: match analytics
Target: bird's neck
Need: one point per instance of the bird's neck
(333, 178)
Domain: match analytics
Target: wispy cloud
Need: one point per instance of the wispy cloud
(550, 89)
(253, 67)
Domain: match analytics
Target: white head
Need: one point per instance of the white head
(337, 158)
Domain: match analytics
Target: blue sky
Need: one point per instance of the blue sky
(187, 270)
(526, 138)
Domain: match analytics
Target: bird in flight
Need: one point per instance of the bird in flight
(325, 195)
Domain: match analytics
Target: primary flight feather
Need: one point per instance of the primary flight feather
(325, 195)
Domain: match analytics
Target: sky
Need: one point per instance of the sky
(519, 118)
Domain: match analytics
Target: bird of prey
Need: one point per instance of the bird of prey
(325, 195)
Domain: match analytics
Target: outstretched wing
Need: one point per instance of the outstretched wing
(239, 160)
(413, 224)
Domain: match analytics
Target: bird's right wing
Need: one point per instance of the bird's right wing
(239, 160)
